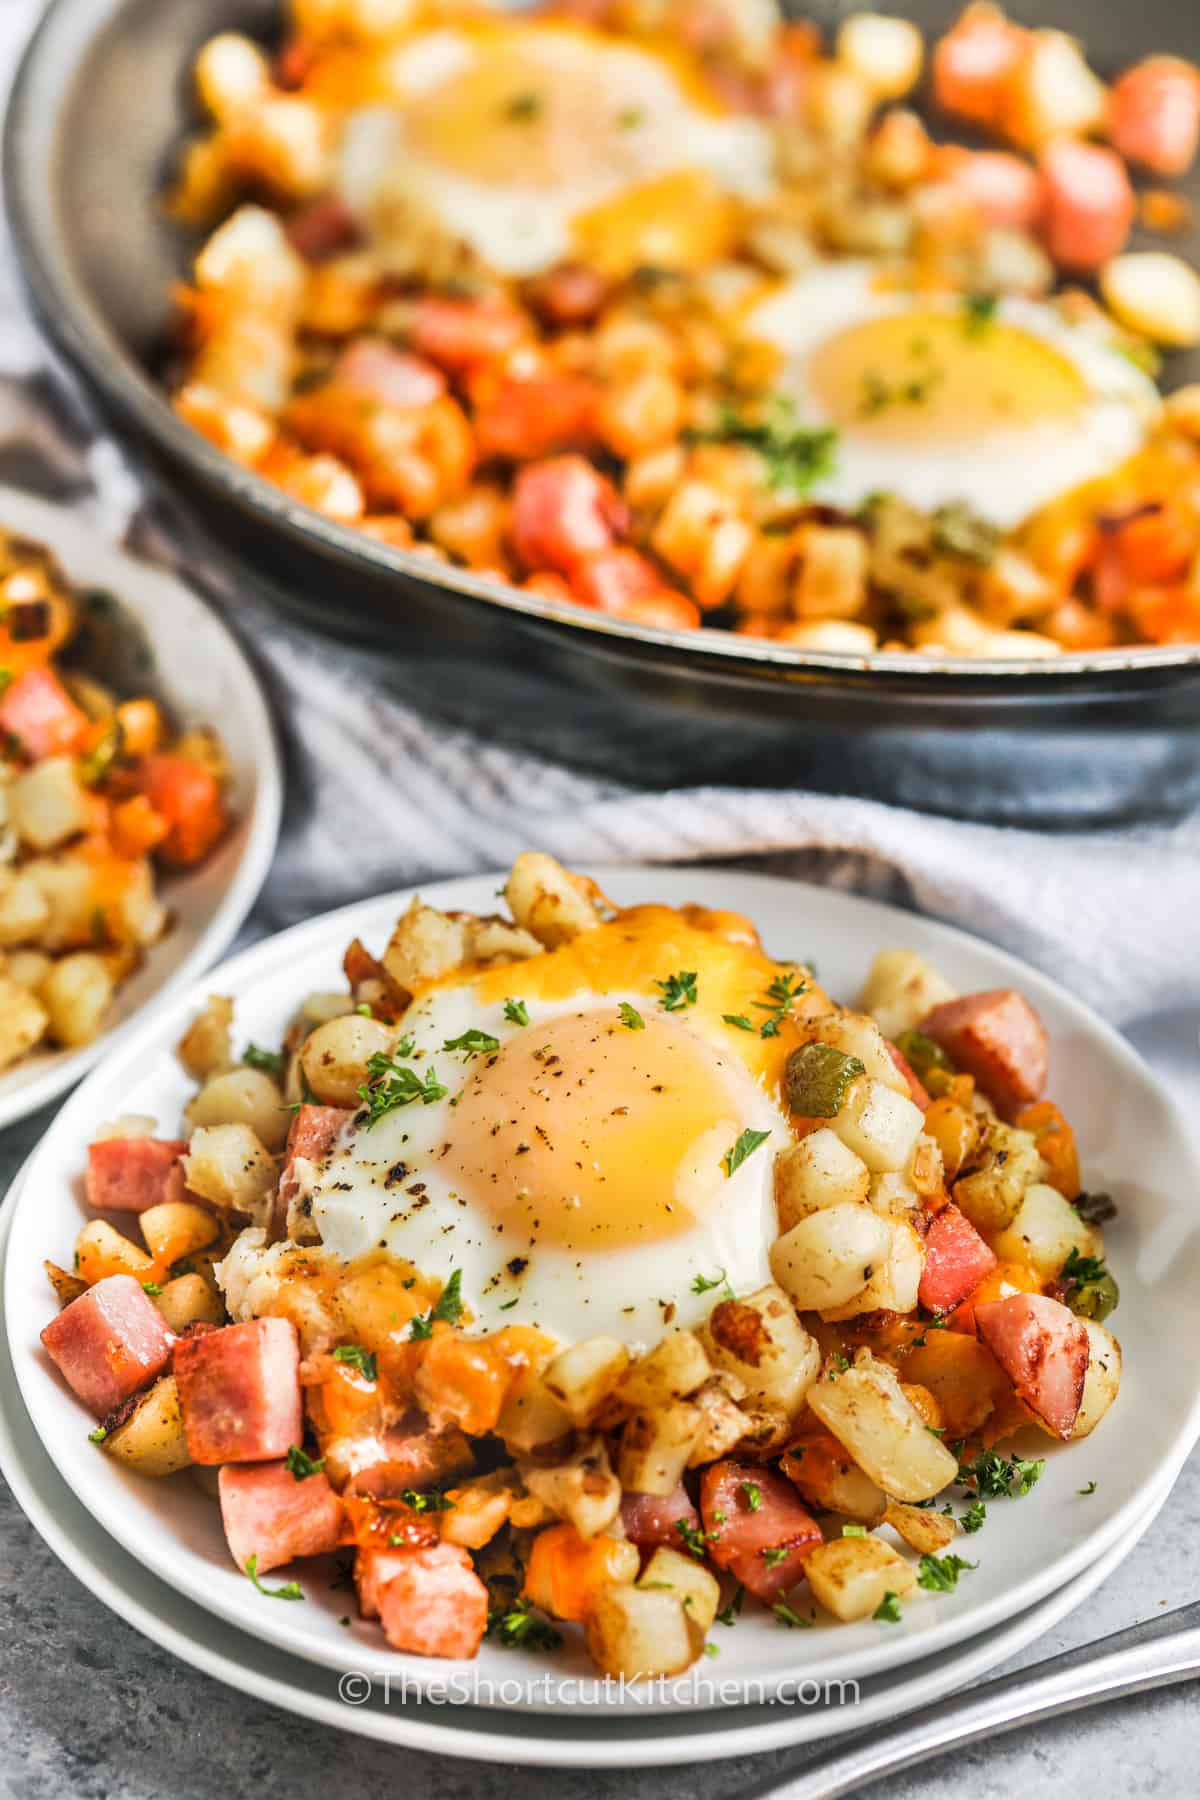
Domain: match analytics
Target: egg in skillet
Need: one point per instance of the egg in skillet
(533, 142)
(941, 399)
(596, 1150)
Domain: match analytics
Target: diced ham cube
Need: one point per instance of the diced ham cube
(571, 294)
(372, 366)
(38, 712)
(383, 1464)
(612, 580)
(974, 63)
(271, 1515)
(239, 1391)
(916, 1087)
(1154, 114)
(1089, 203)
(109, 1343)
(1043, 1349)
(323, 228)
(748, 1539)
(564, 511)
(652, 1519)
(536, 416)
(956, 1261)
(459, 335)
(373, 1569)
(433, 1604)
(998, 1038)
(133, 1174)
(1002, 188)
(312, 1135)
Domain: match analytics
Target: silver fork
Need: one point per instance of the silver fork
(1153, 1654)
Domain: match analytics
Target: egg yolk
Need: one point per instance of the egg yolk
(592, 1136)
(934, 377)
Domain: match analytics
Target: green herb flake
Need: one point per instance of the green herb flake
(974, 1518)
(516, 1627)
(774, 1554)
(98, 1435)
(678, 990)
(358, 1358)
(523, 109)
(1083, 1492)
(752, 1495)
(787, 1615)
(796, 456)
(729, 1614)
(889, 1609)
(448, 1308)
(516, 1012)
(291, 1590)
(300, 1465)
(747, 1143)
(739, 1021)
(473, 1043)
(153, 1288)
(392, 1084)
(630, 1017)
(712, 1649)
(426, 1501)
(939, 1574)
(270, 1062)
(854, 1531)
(979, 313)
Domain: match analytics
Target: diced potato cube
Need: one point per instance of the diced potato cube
(480, 1509)
(550, 902)
(656, 1447)
(675, 1367)
(818, 1171)
(531, 1417)
(829, 1478)
(725, 1424)
(23, 909)
(850, 1577)
(1043, 1232)
(76, 994)
(1102, 1381)
(189, 1300)
(425, 944)
(23, 1021)
(206, 1047)
(885, 53)
(101, 1250)
(926, 1531)
(151, 1440)
(1007, 1165)
(230, 1166)
(582, 1489)
(901, 987)
(581, 1377)
(671, 1572)
(175, 1228)
(28, 968)
(67, 1287)
(762, 1342)
(638, 1633)
(230, 73)
(865, 1409)
(829, 1257)
(879, 1125)
(894, 1281)
(48, 804)
(335, 1057)
(243, 1097)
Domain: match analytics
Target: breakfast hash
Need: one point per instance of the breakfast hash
(97, 796)
(590, 1270)
(675, 313)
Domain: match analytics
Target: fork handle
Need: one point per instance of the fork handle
(1067, 1684)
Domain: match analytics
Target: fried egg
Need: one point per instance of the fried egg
(597, 1151)
(938, 400)
(534, 142)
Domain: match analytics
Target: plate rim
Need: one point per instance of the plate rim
(46, 518)
(284, 947)
(766, 1731)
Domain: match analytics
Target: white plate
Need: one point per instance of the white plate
(562, 1740)
(1133, 1145)
(199, 669)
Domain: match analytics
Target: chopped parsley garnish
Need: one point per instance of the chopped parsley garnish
(1085, 1491)
(516, 1012)
(1082, 1270)
(631, 118)
(854, 1531)
(778, 1002)
(889, 1609)
(739, 1021)
(363, 1011)
(449, 1308)
(430, 1501)
(838, 1364)
(301, 1465)
(787, 1615)
(98, 1435)
(271, 1062)
(517, 1628)
(392, 1084)
(153, 1288)
(957, 531)
(702, 1285)
(748, 1142)
(473, 1043)
(974, 1517)
(630, 1017)
(979, 311)
(693, 1537)
(291, 1590)
(774, 1554)
(524, 108)
(995, 1476)
(939, 1574)
(729, 1614)
(678, 990)
(797, 456)
(358, 1358)
(752, 1495)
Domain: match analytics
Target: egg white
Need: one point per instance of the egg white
(643, 125)
(1003, 475)
(629, 1292)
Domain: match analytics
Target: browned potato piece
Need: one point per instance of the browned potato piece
(150, 1441)
(206, 1047)
(640, 1632)
(923, 1530)
(189, 1300)
(851, 1576)
(67, 1287)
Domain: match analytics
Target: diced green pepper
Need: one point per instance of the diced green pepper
(928, 1061)
(98, 762)
(818, 1078)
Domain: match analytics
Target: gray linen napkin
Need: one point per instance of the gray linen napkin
(381, 795)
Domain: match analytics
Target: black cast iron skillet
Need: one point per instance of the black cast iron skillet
(97, 113)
